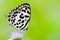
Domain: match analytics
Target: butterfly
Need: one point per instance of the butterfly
(20, 16)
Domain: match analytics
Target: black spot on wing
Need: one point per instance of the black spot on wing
(28, 7)
(22, 21)
(21, 25)
(12, 21)
(25, 19)
(23, 10)
(9, 15)
(21, 13)
(14, 24)
(17, 23)
(28, 12)
(12, 17)
(21, 16)
(26, 16)
(9, 19)
(17, 26)
(19, 20)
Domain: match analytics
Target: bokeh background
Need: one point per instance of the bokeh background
(44, 23)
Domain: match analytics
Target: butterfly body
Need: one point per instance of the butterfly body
(20, 16)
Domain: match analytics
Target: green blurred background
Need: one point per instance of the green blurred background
(44, 23)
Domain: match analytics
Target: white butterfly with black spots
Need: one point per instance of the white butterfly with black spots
(20, 16)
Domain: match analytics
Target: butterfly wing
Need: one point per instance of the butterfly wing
(20, 16)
